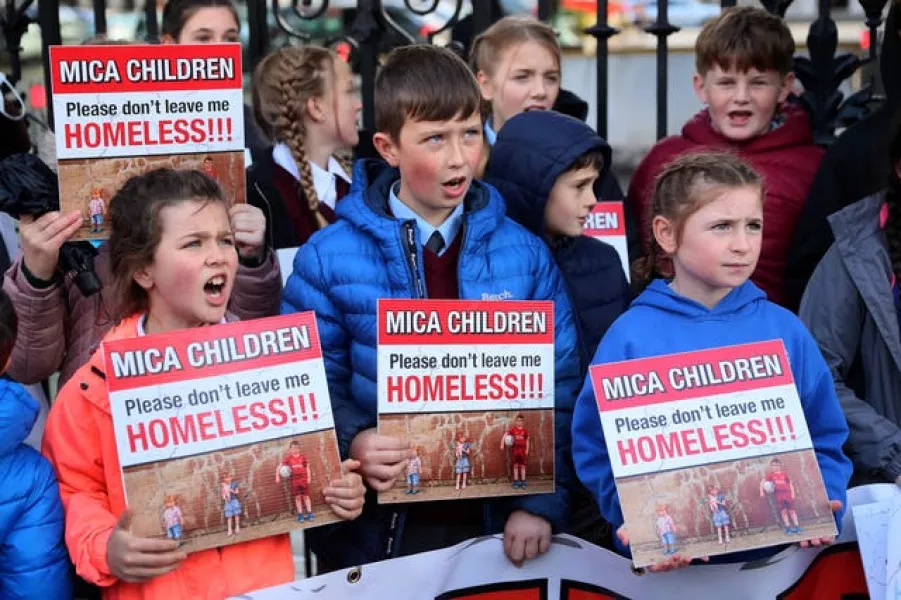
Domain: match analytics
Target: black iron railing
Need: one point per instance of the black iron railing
(372, 27)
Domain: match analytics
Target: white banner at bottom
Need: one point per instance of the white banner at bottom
(576, 570)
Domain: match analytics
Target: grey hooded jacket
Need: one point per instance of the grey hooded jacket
(850, 310)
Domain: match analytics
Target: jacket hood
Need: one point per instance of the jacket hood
(890, 57)
(795, 131)
(366, 207)
(857, 221)
(18, 412)
(660, 296)
(532, 150)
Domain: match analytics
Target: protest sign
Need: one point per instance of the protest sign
(607, 222)
(710, 452)
(470, 386)
(125, 110)
(573, 569)
(224, 434)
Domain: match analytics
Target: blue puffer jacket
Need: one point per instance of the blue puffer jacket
(531, 152)
(33, 558)
(345, 268)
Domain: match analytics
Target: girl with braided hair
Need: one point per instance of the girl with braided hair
(706, 222)
(852, 306)
(304, 100)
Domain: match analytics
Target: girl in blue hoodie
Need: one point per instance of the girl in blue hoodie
(706, 220)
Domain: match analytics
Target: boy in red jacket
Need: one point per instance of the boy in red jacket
(744, 77)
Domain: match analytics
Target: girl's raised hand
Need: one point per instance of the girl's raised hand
(675, 561)
(135, 559)
(249, 225)
(345, 496)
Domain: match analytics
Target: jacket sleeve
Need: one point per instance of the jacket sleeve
(813, 236)
(258, 290)
(34, 559)
(73, 447)
(41, 341)
(833, 312)
(555, 508)
(826, 423)
(308, 289)
(592, 461)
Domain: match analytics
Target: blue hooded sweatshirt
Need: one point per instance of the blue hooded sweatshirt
(663, 322)
(342, 271)
(531, 152)
(34, 563)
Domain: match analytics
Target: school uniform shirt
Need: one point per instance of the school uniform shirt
(664, 322)
(324, 180)
(273, 186)
(448, 229)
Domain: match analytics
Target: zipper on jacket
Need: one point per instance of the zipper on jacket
(413, 260)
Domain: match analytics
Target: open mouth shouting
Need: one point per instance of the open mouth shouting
(740, 118)
(215, 290)
(456, 187)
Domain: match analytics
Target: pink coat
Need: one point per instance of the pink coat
(59, 328)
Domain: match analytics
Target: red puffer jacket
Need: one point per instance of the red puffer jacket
(787, 159)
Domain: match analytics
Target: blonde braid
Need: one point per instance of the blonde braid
(283, 83)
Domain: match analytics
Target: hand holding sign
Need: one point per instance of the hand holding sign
(345, 496)
(249, 225)
(381, 458)
(675, 561)
(836, 506)
(136, 559)
(42, 238)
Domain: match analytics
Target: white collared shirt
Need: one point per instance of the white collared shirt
(323, 180)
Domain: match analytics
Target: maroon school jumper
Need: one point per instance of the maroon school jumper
(441, 271)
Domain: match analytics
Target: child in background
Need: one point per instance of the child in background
(783, 495)
(852, 307)
(414, 468)
(305, 102)
(517, 62)
(209, 22)
(172, 519)
(420, 227)
(548, 167)
(707, 221)
(301, 477)
(231, 508)
(666, 530)
(744, 77)
(716, 503)
(174, 261)
(33, 564)
(462, 466)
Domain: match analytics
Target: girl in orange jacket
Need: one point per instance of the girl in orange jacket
(173, 258)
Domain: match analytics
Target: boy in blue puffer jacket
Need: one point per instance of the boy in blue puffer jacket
(33, 561)
(415, 228)
(549, 168)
